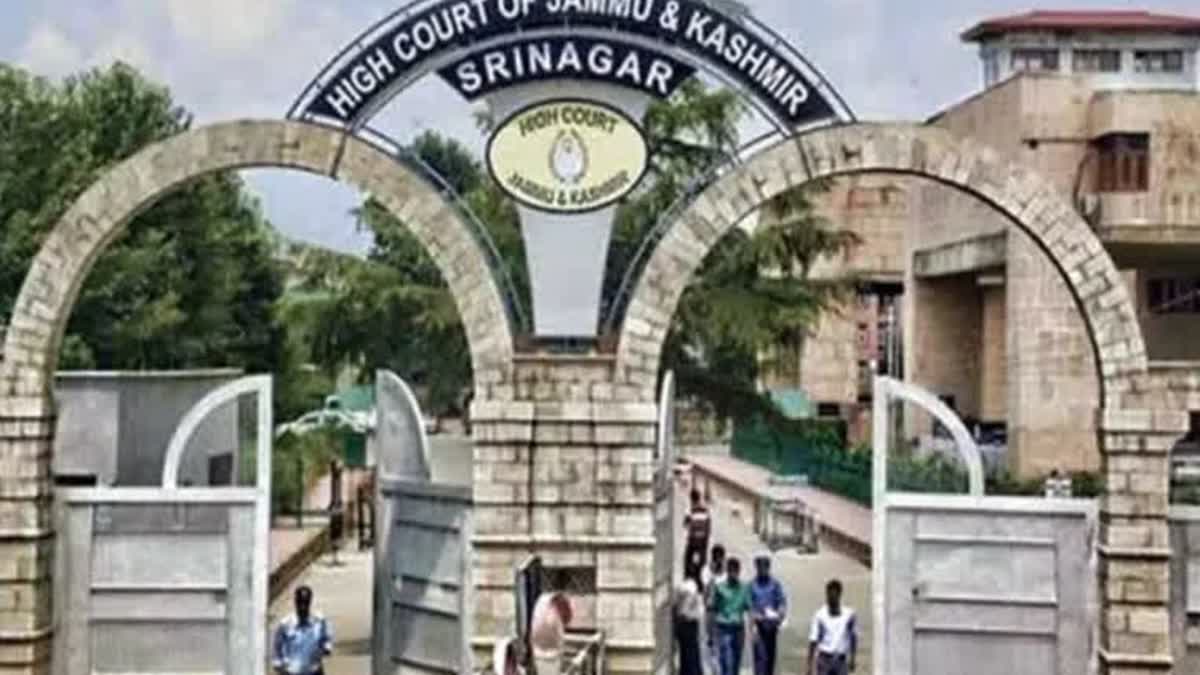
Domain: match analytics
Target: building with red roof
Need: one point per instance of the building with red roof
(1113, 49)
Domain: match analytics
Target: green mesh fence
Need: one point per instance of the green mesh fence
(817, 449)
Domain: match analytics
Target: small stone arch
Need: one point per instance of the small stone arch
(924, 151)
(100, 215)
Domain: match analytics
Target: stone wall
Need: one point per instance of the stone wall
(993, 366)
(876, 208)
(944, 343)
(565, 468)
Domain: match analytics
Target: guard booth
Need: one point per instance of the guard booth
(973, 583)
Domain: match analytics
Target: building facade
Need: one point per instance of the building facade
(1107, 106)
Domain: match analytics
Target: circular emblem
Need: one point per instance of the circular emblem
(567, 156)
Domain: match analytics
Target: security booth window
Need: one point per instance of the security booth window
(1158, 61)
(1123, 163)
(1096, 61)
(1035, 60)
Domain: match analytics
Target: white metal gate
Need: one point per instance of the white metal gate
(665, 564)
(167, 580)
(1185, 588)
(976, 584)
(422, 546)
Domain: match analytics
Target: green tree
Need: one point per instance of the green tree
(192, 282)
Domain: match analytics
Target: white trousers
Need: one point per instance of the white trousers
(547, 663)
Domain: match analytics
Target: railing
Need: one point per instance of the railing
(590, 657)
(787, 523)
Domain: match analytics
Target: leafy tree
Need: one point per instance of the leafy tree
(192, 282)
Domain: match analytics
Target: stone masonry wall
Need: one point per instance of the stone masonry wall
(993, 366)
(945, 345)
(565, 469)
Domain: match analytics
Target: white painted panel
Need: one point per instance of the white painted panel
(148, 560)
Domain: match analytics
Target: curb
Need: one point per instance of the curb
(295, 565)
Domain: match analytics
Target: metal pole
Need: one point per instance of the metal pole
(879, 473)
(300, 497)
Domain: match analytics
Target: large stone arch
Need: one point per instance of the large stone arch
(1029, 201)
(101, 214)
(1133, 546)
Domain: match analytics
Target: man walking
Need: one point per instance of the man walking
(302, 640)
(731, 606)
(833, 639)
(714, 575)
(768, 607)
(698, 523)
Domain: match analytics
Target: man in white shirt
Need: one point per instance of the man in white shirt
(833, 639)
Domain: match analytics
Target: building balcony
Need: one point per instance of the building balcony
(1145, 218)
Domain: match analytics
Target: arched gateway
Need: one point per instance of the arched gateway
(565, 445)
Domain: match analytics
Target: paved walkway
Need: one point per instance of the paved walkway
(803, 578)
(342, 594)
(839, 513)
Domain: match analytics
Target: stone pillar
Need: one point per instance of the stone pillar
(564, 468)
(26, 536)
(1135, 541)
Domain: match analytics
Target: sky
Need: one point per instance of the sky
(229, 59)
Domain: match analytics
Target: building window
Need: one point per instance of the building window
(1158, 61)
(991, 68)
(1097, 61)
(1173, 296)
(1035, 60)
(1123, 163)
(829, 410)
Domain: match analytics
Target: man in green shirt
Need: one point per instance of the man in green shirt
(731, 610)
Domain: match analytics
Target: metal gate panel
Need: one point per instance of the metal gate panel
(1185, 588)
(167, 580)
(977, 584)
(665, 562)
(422, 590)
(424, 593)
(156, 581)
(994, 585)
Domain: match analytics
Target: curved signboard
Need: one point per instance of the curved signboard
(402, 47)
(568, 155)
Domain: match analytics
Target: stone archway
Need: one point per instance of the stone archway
(98, 217)
(1134, 546)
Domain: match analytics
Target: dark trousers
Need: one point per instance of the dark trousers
(765, 640)
(730, 641)
(687, 633)
(832, 664)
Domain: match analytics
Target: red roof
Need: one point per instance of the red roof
(1084, 20)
